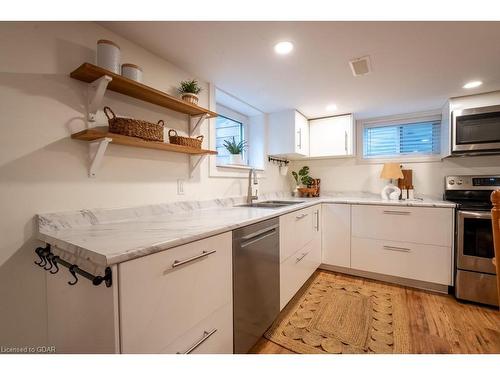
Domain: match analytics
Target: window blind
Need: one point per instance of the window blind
(418, 138)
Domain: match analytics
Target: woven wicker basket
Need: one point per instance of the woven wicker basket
(134, 128)
(184, 141)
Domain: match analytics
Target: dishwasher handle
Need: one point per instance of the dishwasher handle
(258, 235)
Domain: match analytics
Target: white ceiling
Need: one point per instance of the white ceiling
(416, 65)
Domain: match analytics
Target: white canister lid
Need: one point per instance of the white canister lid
(105, 41)
(129, 65)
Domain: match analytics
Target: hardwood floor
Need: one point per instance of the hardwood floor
(438, 323)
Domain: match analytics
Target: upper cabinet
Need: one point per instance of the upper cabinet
(331, 136)
(288, 134)
(294, 136)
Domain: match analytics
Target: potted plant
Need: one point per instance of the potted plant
(235, 150)
(189, 91)
(303, 182)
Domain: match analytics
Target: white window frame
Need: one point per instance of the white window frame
(396, 120)
(233, 115)
(226, 171)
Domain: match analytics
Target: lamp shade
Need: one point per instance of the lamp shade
(390, 171)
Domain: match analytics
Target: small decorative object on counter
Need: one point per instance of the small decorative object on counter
(108, 55)
(305, 181)
(235, 150)
(184, 141)
(132, 71)
(316, 185)
(389, 172)
(189, 91)
(134, 128)
(411, 193)
(404, 194)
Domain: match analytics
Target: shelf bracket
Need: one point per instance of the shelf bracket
(95, 91)
(96, 152)
(198, 123)
(192, 167)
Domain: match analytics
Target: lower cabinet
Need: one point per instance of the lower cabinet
(296, 268)
(336, 234)
(408, 242)
(169, 301)
(213, 334)
(403, 259)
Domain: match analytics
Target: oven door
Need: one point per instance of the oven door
(475, 241)
(476, 129)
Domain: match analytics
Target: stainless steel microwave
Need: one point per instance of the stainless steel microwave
(476, 130)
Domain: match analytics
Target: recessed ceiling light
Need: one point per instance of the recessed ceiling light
(283, 48)
(331, 107)
(472, 84)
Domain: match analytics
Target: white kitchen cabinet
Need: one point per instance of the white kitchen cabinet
(300, 249)
(331, 136)
(403, 259)
(425, 225)
(336, 233)
(296, 230)
(288, 134)
(295, 271)
(162, 299)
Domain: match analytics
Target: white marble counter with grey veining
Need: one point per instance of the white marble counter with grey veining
(103, 237)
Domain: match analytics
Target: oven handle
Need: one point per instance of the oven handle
(475, 214)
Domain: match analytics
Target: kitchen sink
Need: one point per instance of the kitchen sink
(270, 204)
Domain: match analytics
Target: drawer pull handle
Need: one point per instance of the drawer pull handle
(301, 216)
(205, 337)
(178, 263)
(317, 220)
(301, 257)
(389, 212)
(396, 248)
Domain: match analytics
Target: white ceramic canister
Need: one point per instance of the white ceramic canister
(132, 71)
(108, 55)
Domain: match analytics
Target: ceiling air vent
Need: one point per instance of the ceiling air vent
(360, 66)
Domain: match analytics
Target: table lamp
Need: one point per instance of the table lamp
(390, 172)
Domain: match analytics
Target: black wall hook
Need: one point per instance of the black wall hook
(50, 262)
(280, 162)
(54, 261)
(73, 272)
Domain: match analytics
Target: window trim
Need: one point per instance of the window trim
(230, 114)
(396, 120)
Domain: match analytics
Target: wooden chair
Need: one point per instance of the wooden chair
(495, 220)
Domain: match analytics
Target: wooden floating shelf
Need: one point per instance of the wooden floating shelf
(89, 73)
(97, 133)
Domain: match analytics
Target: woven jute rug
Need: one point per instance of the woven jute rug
(332, 316)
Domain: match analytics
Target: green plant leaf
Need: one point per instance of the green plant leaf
(235, 148)
(189, 87)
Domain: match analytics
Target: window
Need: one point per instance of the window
(226, 129)
(419, 138)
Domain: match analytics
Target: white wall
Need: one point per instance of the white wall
(428, 177)
(43, 170)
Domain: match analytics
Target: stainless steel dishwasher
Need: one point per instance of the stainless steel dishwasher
(256, 282)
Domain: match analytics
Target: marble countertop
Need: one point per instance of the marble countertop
(103, 237)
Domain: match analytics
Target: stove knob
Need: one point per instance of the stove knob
(459, 182)
(451, 182)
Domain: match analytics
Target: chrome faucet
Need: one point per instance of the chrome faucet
(250, 196)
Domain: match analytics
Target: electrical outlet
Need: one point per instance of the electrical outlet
(180, 187)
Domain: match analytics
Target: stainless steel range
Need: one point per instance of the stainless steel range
(475, 278)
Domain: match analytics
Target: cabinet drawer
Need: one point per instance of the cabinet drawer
(336, 230)
(433, 226)
(159, 302)
(413, 261)
(296, 230)
(213, 335)
(297, 268)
